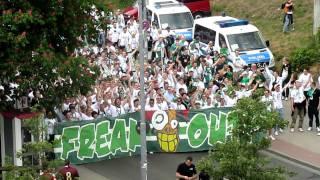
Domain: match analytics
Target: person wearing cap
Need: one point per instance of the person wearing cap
(297, 105)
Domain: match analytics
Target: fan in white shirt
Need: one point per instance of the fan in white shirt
(238, 63)
(178, 105)
(113, 33)
(208, 103)
(124, 38)
(151, 106)
(161, 105)
(306, 79)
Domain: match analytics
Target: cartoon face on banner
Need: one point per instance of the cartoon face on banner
(167, 130)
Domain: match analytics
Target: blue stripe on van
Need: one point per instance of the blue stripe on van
(261, 57)
(186, 34)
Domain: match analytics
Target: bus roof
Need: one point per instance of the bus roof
(167, 7)
(226, 24)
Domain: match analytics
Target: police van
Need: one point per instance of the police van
(235, 35)
(171, 13)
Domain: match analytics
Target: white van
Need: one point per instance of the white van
(234, 34)
(171, 13)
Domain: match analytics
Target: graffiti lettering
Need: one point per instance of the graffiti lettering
(103, 139)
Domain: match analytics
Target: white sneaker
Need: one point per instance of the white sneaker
(292, 130)
(286, 99)
(272, 138)
(318, 129)
(276, 133)
(300, 129)
(280, 130)
(282, 97)
(309, 128)
(318, 134)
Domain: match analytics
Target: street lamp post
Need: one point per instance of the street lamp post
(143, 151)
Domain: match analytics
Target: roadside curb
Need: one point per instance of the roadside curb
(295, 160)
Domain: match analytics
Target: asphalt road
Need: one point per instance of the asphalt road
(163, 167)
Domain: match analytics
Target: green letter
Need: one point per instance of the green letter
(197, 130)
(102, 143)
(217, 128)
(134, 137)
(68, 140)
(87, 137)
(118, 137)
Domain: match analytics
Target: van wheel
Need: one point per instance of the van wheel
(197, 15)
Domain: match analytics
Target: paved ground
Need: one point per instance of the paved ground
(163, 166)
(300, 146)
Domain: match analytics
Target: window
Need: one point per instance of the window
(246, 41)
(177, 20)
(149, 15)
(205, 34)
(156, 21)
(222, 41)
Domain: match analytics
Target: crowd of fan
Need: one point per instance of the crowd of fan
(178, 75)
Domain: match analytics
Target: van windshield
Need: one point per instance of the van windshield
(245, 41)
(177, 20)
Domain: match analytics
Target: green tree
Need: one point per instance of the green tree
(37, 43)
(38, 39)
(239, 158)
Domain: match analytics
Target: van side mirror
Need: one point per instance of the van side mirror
(268, 43)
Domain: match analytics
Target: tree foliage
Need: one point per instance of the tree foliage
(37, 43)
(239, 158)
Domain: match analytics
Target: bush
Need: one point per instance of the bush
(308, 56)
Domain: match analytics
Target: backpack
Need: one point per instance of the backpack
(283, 5)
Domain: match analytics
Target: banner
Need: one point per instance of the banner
(167, 131)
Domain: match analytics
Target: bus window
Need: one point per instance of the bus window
(205, 34)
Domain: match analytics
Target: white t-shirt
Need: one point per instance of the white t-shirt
(178, 86)
(277, 101)
(297, 95)
(268, 100)
(86, 117)
(238, 64)
(50, 125)
(150, 108)
(124, 39)
(162, 106)
(114, 111)
(113, 34)
(306, 81)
